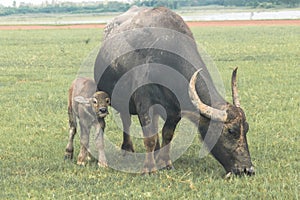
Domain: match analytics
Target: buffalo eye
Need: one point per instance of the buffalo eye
(230, 131)
(234, 131)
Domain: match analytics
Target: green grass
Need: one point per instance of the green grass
(37, 67)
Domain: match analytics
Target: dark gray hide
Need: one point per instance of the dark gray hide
(136, 49)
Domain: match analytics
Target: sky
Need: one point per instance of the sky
(36, 2)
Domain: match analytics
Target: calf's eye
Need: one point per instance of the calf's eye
(95, 101)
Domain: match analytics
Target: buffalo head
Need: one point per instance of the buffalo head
(99, 103)
(231, 148)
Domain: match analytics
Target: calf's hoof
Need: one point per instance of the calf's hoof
(102, 164)
(68, 157)
(81, 163)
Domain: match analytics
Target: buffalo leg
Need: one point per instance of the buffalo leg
(164, 160)
(149, 127)
(72, 132)
(155, 129)
(100, 143)
(84, 144)
(127, 143)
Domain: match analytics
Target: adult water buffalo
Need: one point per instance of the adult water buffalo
(149, 57)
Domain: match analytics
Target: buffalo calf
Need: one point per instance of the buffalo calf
(90, 108)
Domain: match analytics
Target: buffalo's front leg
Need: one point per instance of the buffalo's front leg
(149, 127)
(164, 160)
(127, 143)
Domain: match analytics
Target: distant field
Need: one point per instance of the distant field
(37, 67)
(56, 19)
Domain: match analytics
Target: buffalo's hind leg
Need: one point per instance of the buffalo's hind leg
(127, 143)
(164, 161)
(149, 127)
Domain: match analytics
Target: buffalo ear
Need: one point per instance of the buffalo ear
(82, 100)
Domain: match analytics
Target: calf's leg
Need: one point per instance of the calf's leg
(100, 143)
(72, 131)
(84, 143)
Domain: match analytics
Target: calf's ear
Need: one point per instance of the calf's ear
(82, 100)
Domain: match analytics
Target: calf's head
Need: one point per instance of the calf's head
(231, 148)
(99, 103)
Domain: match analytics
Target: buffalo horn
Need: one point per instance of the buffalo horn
(205, 110)
(235, 95)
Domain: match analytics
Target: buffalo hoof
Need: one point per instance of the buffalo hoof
(149, 168)
(168, 167)
(165, 165)
(127, 148)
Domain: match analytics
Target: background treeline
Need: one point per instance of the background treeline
(121, 7)
(65, 8)
(174, 4)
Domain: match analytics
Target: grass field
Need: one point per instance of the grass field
(37, 67)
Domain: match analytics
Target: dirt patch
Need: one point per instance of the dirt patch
(247, 23)
(191, 24)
